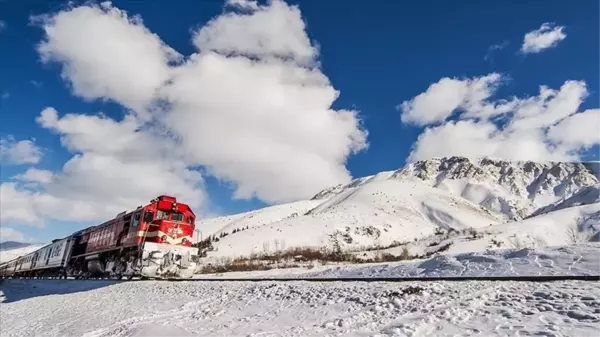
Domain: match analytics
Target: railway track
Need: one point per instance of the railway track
(534, 278)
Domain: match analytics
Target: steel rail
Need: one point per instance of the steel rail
(534, 278)
(511, 278)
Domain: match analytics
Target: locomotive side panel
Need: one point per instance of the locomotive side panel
(104, 237)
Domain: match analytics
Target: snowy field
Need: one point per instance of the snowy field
(220, 308)
(151, 308)
(579, 259)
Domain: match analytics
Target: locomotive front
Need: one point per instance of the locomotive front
(167, 240)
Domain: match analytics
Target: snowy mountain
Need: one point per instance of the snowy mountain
(516, 189)
(15, 250)
(426, 202)
(12, 245)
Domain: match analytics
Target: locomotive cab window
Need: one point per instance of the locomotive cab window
(148, 216)
(162, 215)
(176, 216)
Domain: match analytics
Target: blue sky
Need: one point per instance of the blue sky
(377, 54)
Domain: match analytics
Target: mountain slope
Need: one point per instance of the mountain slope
(12, 245)
(417, 203)
(13, 253)
(375, 214)
(514, 188)
(227, 224)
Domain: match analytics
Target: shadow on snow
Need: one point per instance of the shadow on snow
(16, 290)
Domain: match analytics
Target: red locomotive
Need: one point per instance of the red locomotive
(153, 241)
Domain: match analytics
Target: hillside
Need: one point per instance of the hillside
(12, 245)
(9, 253)
(456, 203)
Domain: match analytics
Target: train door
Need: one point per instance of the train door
(135, 226)
(48, 255)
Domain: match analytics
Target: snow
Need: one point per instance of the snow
(513, 188)
(226, 224)
(575, 259)
(585, 196)
(154, 308)
(301, 308)
(380, 212)
(564, 260)
(472, 217)
(10, 254)
(419, 200)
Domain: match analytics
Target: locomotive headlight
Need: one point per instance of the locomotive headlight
(164, 238)
(184, 240)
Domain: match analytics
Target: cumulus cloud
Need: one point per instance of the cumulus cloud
(273, 31)
(441, 99)
(578, 130)
(543, 127)
(116, 167)
(35, 175)
(251, 106)
(104, 53)
(19, 152)
(17, 206)
(251, 109)
(11, 234)
(547, 36)
(243, 4)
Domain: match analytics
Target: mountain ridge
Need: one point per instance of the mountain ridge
(414, 203)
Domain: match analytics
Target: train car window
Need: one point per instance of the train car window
(148, 216)
(136, 219)
(191, 219)
(176, 216)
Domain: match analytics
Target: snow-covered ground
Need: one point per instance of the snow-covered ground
(580, 259)
(301, 308)
(102, 309)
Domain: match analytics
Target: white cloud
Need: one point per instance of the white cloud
(276, 30)
(18, 206)
(251, 106)
(441, 99)
(36, 176)
(117, 166)
(543, 127)
(104, 53)
(578, 130)
(243, 4)
(10, 234)
(547, 36)
(21, 152)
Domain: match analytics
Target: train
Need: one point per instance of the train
(153, 241)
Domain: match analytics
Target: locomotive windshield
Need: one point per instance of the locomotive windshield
(175, 216)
